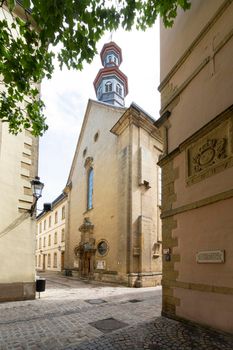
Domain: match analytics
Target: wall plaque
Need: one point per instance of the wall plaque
(100, 264)
(210, 257)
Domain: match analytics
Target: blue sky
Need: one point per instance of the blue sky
(67, 93)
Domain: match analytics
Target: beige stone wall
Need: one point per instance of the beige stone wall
(18, 166)
(105, 164)
(50, 238)
(120, 200)
(197, 169)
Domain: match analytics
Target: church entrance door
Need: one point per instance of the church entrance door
(87, 265)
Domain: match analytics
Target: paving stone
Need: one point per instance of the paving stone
(63, 319)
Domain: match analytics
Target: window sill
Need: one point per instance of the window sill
(88, 210)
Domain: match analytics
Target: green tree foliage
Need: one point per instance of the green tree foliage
(26, 50)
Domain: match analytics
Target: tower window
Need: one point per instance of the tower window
(90, 189)
(100, 91)
(108, 86)
(109, 58)
(119, 89)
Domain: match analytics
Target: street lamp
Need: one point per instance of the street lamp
(37, 188)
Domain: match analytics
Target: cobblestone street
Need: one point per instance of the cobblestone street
(75, 314)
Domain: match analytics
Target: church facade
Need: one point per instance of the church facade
(113, 228)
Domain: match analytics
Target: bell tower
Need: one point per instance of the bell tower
(111, 85)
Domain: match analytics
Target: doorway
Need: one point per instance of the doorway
(43, 265)
(62, 260)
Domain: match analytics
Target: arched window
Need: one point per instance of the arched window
(119, 89)
(108, 86)
(90, 189)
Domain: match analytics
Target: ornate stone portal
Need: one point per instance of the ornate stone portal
(86, 249)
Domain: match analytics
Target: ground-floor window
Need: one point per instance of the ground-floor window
(49, 260)
(55, 260)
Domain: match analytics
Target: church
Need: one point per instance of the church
(113, 229)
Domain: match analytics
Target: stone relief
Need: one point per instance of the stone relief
(211, 153)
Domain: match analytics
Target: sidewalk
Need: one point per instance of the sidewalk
(84, 315)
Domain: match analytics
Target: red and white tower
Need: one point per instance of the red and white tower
(111, 85)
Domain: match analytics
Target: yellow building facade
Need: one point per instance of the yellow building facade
(18, 166)
(50, 237)
(113, 225)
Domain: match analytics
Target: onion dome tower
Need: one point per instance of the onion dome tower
(111, 85)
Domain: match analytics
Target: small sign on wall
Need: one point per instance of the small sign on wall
(100, 264)
(210, 257)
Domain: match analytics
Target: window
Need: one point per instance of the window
(40, 243)
(44, 244)
(90, 189)
(119, 89)
(84, 152)
(109, 58)
(44, 225)
(36, 260)
(50, 221)
(63, 213)
(100, 91)
(49, 242)
(49, 260)
(55, 260)
(55, 238)
(40, 227)
(102, 248)
(96, 136)
(63, 235)
(108, 86)
(115, 60)
(55, 218)
(39, 260)
(159, 186)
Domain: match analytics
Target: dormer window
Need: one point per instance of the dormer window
(108, 86)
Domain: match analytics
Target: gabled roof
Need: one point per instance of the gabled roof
(89, 105)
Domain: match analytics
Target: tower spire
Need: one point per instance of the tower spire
(111, 84)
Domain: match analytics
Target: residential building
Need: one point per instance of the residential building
(113, 227)
(18, 166)
(50, 237)
(197, 174)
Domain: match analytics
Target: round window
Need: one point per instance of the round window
(102, 248)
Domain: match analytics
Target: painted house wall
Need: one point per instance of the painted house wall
(50, 238)
(18, 166)
(197, 169)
